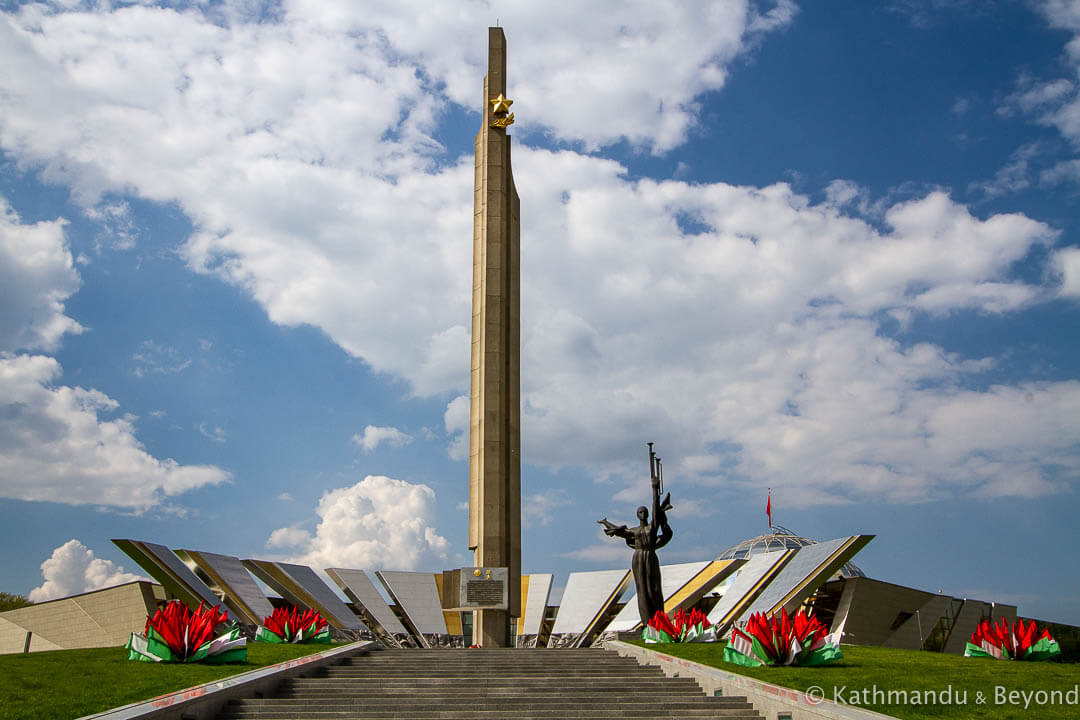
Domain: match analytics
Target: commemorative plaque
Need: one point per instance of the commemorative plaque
(476, 588)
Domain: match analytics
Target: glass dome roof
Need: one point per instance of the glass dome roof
(780, 539)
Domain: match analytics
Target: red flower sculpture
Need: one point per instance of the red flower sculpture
(1022, 642)
(294, 625)
(662, 624)
(185, 631)
(176, 634)
(782, 640)
(681, 628)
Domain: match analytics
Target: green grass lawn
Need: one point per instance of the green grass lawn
(864, 668)
(66, 684)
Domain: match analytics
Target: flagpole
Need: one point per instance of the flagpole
(768, 510)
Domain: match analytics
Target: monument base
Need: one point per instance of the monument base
(491, 628)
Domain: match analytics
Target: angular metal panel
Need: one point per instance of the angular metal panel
(418, 598)
(672, 579)
(811, 566)
(301, 586)
(376, 613)
(227, 573)
(712, 578)
(178, 580)
(749, 581)
(587, 596)
(536, 603)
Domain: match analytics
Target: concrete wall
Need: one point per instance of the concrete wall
(872, 606)
(912, 634)
(868, 608)
(102, 618)
(769, 700)
(968, 619)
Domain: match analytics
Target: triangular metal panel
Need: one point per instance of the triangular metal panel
(163, 565)
(241, 593)
(749, 582)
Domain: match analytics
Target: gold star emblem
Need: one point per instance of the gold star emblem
(500, 104)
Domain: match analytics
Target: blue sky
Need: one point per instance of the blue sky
(830, 251)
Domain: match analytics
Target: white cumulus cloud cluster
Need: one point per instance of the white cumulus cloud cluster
(761, 331)
(301, 148)
(37, 274)
(1068, 265)
(55, 441)
(373, 436)
(378, 522)
(72, 568)
(56, 447)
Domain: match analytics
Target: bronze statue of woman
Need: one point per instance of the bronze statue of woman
(646, 538)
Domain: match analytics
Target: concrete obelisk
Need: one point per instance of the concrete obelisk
(495, 408)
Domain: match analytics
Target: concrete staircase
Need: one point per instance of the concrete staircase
(495, 683)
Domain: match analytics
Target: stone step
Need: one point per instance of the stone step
(491, 677)
(500, 695)
(501, 667)
(568, 667)
(500, 715)
(465, 664)
(491, 687)
(506, 673)
(486, 697)
(447, 684)
(655, 713)
(630, 698)
(417, 704)
(487, 684)
(405, 690)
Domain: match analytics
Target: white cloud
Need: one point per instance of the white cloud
(153, 358)
(379, 522)
(605, 551)
(374, 436)
(1067, 263)
(1039, 96)
(456, 421)
(289, 538)
(72, 569)
(55, 445)
(539, 509)
(583, 72)
(1014, 176)
(214, 433)
(37, 275)
(1055, 102)
(116, 223)
(302, 152)
(298, 147)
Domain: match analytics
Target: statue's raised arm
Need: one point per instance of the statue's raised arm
(661, 531)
